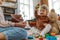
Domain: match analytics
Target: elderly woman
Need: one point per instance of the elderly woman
(7, 32)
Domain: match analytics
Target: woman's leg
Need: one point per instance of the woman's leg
(15, 34)
(12, 33)
(2, 36)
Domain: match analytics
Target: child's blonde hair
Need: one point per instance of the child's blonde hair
(44, 7)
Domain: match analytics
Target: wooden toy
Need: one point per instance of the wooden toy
(53, 34)
(41, 38)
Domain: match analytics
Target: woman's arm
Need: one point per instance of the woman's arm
(20, 24)
(4, 24)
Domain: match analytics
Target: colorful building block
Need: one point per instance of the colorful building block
(41, 38)
(47, 35)
(51, 38)
(30, 37)
(53, 34)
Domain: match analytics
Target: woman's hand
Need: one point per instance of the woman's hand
(45, 24)
(20, 24)
(11, 23)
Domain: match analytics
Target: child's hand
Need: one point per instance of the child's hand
(42, 35)
(45, 24)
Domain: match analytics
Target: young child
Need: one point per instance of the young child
(42, 25)
(53, 17)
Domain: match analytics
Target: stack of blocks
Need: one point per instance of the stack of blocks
(51, 37)
(30, 38)
(47, 37)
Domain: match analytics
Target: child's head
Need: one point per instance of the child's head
(43, 10)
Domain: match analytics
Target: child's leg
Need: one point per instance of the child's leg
(45, 30)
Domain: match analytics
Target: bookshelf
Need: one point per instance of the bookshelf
(9, 7)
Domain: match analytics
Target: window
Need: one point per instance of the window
(26, 9)
(55, 4)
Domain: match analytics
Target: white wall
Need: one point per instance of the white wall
(35, 2)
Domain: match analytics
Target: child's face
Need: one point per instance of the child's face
(43, 12)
